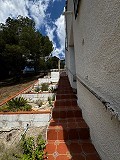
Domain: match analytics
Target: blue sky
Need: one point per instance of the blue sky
(47, 15)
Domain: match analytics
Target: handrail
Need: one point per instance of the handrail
(104, 102)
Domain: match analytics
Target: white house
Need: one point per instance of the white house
(93, 67)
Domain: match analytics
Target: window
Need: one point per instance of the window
(76, 6)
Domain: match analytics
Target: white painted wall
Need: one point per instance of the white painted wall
(72, 67)
(54, 77)
(43, 80)
(34, 97)
(104, 131)
(96, 38)
(10, 121)
(98, 57)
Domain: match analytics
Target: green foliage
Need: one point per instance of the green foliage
(39, 102)
(19, 41)
(27, 149)
(44, 86)
(53, 97)
(52, 63)
(16, 104)
(51, 89)
(33, 150)
(50, 100)
(4, 108)
(37, 89)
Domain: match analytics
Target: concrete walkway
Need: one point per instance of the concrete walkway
(68, 136)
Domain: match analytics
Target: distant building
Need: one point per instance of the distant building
(93, 67)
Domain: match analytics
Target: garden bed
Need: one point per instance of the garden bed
(10, 141)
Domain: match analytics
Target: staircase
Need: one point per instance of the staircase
(68, 136)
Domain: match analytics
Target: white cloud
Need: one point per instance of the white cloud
(12, 8)
(36, 9)
(58, 28)
(60, 31)
(50, 32)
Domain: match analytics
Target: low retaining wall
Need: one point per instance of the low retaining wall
(12, 120)
(36, 96)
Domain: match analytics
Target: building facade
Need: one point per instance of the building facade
(93, 67)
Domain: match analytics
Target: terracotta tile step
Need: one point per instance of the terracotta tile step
(65, 120)
(66, 102)
(67, 90)
(67, 107)
(64, 82)
(66, 114)
(65, 87)
(65, 96)
(70, 133)
(71, 150)
(61, 91)
(63, 107)
(63, 79)
(66, 123)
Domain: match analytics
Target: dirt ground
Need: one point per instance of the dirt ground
(8, 91)
(9, 141)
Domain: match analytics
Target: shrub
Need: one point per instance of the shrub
(39, 102)
(51, 89)
(44, 86)
(26, 149)
(33, 150)
(53, 97)
(37, 89)
(50, 100)
(16, 104)
(4, 108)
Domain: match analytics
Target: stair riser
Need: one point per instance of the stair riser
(68, 134)
(68, 114)
(65, 92)
(66, 103)
(60, 97)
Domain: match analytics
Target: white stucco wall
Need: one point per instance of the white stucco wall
(10, 121)
(96, 36)
(96, 41)
(54, 77)
(71, 67)
(104, 131)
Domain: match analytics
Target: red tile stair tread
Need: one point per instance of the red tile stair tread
(68, 134)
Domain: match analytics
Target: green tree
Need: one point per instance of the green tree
(20, 42)
(52, 63)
